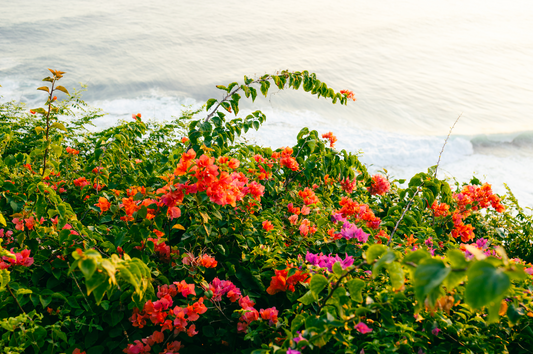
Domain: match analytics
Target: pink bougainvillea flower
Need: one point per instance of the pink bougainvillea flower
(363, 328)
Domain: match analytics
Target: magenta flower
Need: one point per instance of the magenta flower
(435, 331)
(293, 351)
(363, 328)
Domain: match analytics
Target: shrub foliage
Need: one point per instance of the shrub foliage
(183, 237)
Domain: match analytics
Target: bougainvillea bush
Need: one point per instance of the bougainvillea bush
(184, 238)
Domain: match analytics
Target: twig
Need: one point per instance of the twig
(422, 184)
(78, 285)
(335, 287)
(14, 297)
(403, 213)
(445, 141)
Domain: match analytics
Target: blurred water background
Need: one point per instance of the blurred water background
(414, 66)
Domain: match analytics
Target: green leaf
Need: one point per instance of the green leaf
(337, 269)
(87, 266)
(486, 284)
(210, 102)
(4, 278)
(457, 259)
(416, 256)
(428, 277)
(374, 252)
(208, 331)
(318, 283)
(355, 288)
(396, 274)
(387, 258)
(308, 298)
(298, 321)
(44, 88)
(220, 249)
(45, 300)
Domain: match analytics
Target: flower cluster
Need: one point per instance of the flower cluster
(287, 160)
(332, 139)
(173, 319)
(72, 151)
(203, 260)
(323, 261)
(380, 185)
(22, 258)
(349, 94)
(281, 281)
(348, 185)
(250, 314)
(360, 212)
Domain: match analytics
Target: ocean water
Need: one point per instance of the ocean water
(414, 66)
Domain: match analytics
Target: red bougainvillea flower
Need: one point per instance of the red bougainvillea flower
(32, 111)
(185, 289)
(77, 351)
(267, 225)
(363, 328)
(22, 258)
(380, 185)
(347, 185)
(81, 182)
(270, 314)
(348, 94)
(332, 138)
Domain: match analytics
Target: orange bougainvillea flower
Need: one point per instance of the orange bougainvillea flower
(103, 204)
(332, 138)
(233, 163)
(267, 225)
(411, 240)
(81, 182)
(72, 151)
(280, 281)
(207, 261)
(349, 94)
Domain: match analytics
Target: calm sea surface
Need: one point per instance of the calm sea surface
(414, 65)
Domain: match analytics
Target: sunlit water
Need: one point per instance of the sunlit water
(414, 66)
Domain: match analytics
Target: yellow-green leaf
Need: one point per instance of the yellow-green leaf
(62, 89)
(59, 126)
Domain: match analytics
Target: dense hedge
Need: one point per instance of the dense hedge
(182, 237)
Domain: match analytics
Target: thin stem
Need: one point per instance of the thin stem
(445, 141)
(335, 287)
(403, 213)
(14, 297)
(48, 125)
